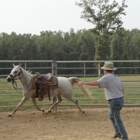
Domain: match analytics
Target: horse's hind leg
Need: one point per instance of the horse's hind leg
(35, 104)
(76, 102)
(59, 99)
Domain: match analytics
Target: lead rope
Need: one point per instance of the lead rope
(14, 84)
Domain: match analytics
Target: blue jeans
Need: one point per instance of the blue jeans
(115, 105)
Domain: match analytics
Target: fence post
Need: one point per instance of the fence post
(84, 70)
(54, 67)
(99, 70)
(54, 72)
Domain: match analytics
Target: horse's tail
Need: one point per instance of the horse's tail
(74, 80)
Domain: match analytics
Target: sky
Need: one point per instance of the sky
(35, 16)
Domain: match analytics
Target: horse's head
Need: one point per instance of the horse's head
(15, 74)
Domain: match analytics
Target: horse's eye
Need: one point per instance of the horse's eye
(15, 71)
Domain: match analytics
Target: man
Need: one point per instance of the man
(114, 93)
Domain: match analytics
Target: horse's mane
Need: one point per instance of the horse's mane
(28, 71)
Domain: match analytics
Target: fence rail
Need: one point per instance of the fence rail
(9, 98)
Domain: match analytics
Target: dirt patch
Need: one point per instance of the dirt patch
(66, 124)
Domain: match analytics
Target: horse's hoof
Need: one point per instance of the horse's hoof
(83, 112)
(49, 111)
(10, 115)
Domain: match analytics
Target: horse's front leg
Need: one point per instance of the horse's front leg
(24, 99)
(35, 104)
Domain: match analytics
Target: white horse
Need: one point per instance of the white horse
(65, 86)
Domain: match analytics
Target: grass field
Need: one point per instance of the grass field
(10, 97)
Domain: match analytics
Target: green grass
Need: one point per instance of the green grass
(10, 97)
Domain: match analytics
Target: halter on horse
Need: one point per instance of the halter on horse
(27, 80)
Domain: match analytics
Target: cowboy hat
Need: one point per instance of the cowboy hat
(108, 66)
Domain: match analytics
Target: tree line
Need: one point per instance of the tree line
(79, 45)
(70, 45)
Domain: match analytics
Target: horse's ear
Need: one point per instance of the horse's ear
(20, 65)
(13, 65)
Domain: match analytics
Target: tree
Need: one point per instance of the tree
(71, 46)
(117, 46)
(87, 45)
(106, 17)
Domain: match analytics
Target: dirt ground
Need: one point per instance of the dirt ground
(67, 124)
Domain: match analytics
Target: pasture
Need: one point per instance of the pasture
(68, 123)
